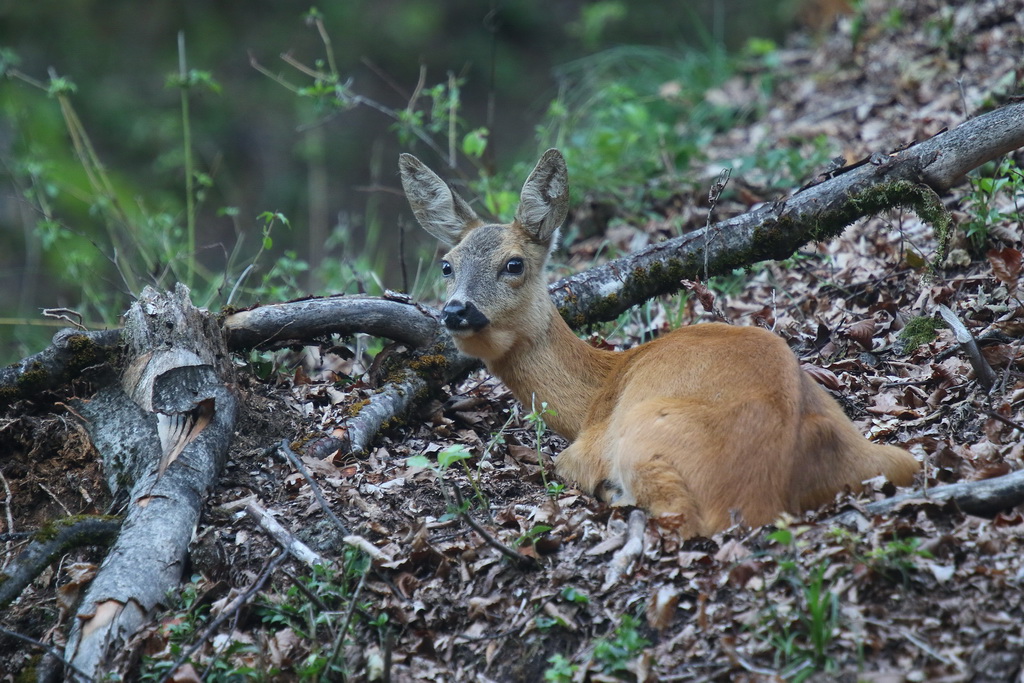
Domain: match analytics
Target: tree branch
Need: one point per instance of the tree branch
(909, 178)
(396, 318)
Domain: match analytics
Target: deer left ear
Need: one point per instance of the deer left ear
(440, 211)
(544, 201)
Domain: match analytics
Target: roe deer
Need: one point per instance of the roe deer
(705, 420)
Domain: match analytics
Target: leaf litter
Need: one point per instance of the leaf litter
(926, 593)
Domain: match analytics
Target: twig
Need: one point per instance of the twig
(228, 612)
(290, 456)
(339, 641)
(713, 195)
(1005, 420)
(7, 508)
(982, 370)
(51, 651)
(521, 561)
(299, 550)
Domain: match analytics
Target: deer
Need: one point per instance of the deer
(713, 423)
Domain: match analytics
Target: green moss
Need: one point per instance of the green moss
(918, 331)
(50, 531)
(32, 379)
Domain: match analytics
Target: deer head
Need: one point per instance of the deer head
(497, 291)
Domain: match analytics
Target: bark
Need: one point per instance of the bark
(394, 317)
(409, 384)
(163, 432)
(71, 352)
(985, 498)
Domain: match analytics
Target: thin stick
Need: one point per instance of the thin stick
(339, 641)
(521, 561)
(289, 454)
(50, 650)
(235, 605)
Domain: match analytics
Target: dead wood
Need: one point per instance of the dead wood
(163, 432)
(51, 544)
(395, 317)
(984, 498)
(983, 372)
(410, 383)
(909, 178)
(71, 352)
(299, 550)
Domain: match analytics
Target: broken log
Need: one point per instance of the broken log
(163, 433)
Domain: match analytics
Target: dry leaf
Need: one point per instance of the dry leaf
(1006, 264)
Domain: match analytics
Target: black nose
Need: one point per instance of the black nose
(459, 315)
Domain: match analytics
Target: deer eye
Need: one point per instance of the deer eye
(446, 268)
(514, 266)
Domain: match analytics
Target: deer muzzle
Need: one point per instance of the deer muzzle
(461, 316)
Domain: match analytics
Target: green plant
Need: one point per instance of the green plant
(530, 537)
(897, 559)
(456, 453)
(536, 419)
(612, 654)
(627, 115)
(982, 203)
(562, 670)
(780, 166)
(615, 653)
(801, 638)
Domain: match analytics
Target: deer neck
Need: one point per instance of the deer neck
(555, 367)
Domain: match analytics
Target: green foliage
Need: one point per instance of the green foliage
(456, 453)
(993, 184)
(537, 420)
(801, 636)
(614, 654)
(629, 114)
(562, 670)
(781, 166)
(897, 559)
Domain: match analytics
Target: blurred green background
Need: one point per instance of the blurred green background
(293, 142)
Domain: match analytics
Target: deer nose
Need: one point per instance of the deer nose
(463, 315)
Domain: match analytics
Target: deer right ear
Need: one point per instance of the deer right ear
(441, 212)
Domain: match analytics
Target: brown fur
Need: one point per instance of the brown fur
(707, 421)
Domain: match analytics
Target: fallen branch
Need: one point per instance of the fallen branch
(51, 544)
(519, 560)
(229, 612)
(411, 383)
(396, 317)
(909, 178)
(299, 550)
(70, 352)
(983, 372)
(985, 498)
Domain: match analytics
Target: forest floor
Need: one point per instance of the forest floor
(927, 593)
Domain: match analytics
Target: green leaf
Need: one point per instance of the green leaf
(419, 461)
(475, 143)
(452, 455)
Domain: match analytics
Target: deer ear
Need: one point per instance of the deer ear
(441, 212)
(544, 201)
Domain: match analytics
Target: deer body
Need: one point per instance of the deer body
(704, 421)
